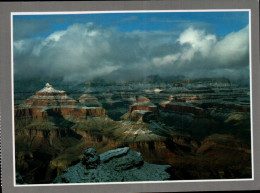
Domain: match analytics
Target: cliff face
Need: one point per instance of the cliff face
(182, 107)
(143, 104)
(36, 113)
(119, 165)
(83, 111)
(41, 112)
(89, 100)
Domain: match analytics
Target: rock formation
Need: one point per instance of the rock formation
(141, 108)
(119, 165)
(51, 101)
(143, 104)
(182, 107)
(89, 100)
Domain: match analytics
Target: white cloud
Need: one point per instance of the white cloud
(198, 40)
(233, 48)
(55, 36)
(19, 46)
(166, 60)
(48, 41)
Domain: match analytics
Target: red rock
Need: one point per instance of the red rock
(144, 104)
(143, 100)
(89, 101)
(49, 99)
(182, 107)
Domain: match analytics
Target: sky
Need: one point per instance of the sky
(131, 46)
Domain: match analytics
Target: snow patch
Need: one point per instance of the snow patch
(49, 89)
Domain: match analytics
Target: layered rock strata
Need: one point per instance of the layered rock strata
(89, 100)
(143, 104)
(183, 107)
(51, 101)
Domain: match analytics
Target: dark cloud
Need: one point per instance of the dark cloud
(86, 51)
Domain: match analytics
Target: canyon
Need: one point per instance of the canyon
(200, 129)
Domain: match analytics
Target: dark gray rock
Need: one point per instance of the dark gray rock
(122, 159)
(90, 158)
(117, 165)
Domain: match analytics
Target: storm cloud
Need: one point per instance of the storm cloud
(86, 51)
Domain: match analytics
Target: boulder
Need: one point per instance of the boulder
(118, 165)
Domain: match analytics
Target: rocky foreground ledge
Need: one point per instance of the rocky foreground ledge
(119, 165)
